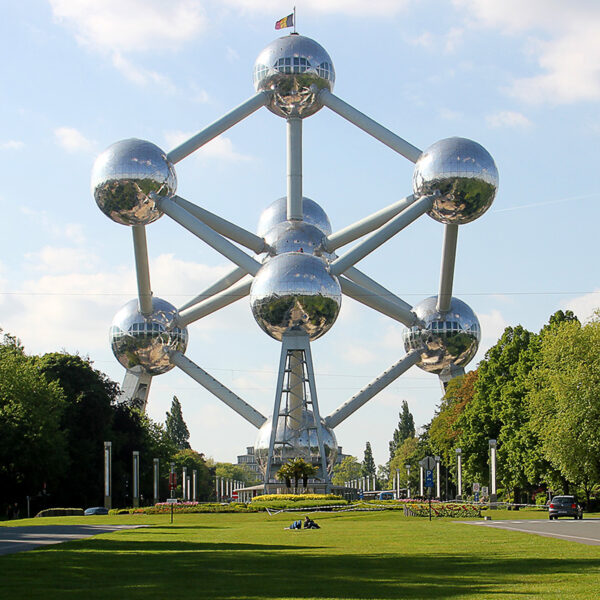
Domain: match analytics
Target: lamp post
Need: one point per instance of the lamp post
(438, 492)
(421, 468)
(108, 475)
(407, 480)
(493, 495)
(459, 473)
(397, 484)
(136, 479)
(156, 479)
(172, 480)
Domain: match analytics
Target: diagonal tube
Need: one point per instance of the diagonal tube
(378, 303)
(368, 224)
(218, 301)
(376, 386)
(218, 127)
(223, 226)
(217, 389)
(447, 268)
(361, 279)
(382, 235)
(142, 270)
(207, 234)
(222, 284)
(379, 132)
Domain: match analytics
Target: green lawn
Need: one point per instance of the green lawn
(354, 555)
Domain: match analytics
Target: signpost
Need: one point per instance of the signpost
(428, 463)
(172, 502)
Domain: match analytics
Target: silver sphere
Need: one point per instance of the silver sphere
(276, 213)
(295, 68)
(140, 343)
(462, 174)
(295, 292)
(447, 339)
(293, 443)
(125, 175)
(297, 236)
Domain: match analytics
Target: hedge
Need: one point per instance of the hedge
(60, 512)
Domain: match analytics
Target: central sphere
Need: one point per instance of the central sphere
(140, 342)
(293, 443)
(294, 68)
(297, 236)
(295, 292)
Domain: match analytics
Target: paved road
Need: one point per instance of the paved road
(19, 539)
(586, 531)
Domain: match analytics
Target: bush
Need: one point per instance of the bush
(294, 497)
(60, 512)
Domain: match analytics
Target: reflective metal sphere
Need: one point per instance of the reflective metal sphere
(295, 68)
(296, 236)
(276, 213)
(295, 292)
(293, 443)
(140, 343)
(123, 177)
(447, 339)
(463, 175)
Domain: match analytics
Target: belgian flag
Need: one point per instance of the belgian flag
(285, 22)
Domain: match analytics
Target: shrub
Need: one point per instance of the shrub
(60, 512)
(295, 497)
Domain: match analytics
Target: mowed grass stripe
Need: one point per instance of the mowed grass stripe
(251, 556)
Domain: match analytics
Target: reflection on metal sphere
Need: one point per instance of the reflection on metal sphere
(447, 339)
(295, 292)
(295, 442)
(463, 176)
(124, 176)
(276, 213)
(296, 236)
(294, 68)
(140, 343)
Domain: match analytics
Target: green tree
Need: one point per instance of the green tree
(175, 425)
(407, 454)
(347, 470)
(194, 461)
(297, 469)
(405, 429)
(33, 453)
(368, 464)
(236, 472)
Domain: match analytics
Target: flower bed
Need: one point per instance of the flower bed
(443, 509)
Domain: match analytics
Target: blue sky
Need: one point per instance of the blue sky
(522, 79)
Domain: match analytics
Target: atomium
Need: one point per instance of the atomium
(298, 268)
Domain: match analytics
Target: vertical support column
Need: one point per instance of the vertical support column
(142, 270)
(188, 488)
(397, 484)
(217, 489)
(447, 268)
(195, 485)
(183, 483)
(374, 482)
(222, 483)
(294, 169)
(135, 490)
(438, 486)
(407, 480)
(156, 480)
(459, 473)
(108, 475)
(421, 494)
(493, 495)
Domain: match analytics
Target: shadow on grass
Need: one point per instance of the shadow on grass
(102, 568)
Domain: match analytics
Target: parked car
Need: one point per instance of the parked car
(96, 510)
(565, 506)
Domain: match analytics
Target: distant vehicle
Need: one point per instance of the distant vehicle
(565, 506)
(96, 510)
(386, 496)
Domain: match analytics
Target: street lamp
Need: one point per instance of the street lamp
(407, 480)
(438, 492)
(493, 444)
(459, 473)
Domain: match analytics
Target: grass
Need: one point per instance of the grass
(353, 556)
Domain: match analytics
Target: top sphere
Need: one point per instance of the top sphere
(294, 68)
(125, 175)
(463, 176)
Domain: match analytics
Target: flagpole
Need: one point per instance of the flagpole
(294, 19)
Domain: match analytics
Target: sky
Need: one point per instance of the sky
(520, 78)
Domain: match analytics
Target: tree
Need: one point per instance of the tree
(368, 464)
(297, 469)
(405, 429)
(175, 425)
(407, 454)
(236, 472)
(347, 470)
(194, 461)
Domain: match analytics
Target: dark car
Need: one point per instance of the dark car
(565, 506)
(96, 510)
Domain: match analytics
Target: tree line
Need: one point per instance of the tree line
(536, 394)
(56, 412)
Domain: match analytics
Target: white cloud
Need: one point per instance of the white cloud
(139, 75)
(584, 306)
(131, 25)
(508, 118)
(72, 140)
(11, 145)
(72, 232)
(220, 148)
(563, 38)
(51, 259)
(353, 8)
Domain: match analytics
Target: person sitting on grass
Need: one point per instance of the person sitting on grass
(310, 524)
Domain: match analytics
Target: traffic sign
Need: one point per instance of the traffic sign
(475, 487)
(476, 496)
(429, 478)
(484, 490)
(429, 463)
(171, 500)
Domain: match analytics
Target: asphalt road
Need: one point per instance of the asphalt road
(586, 531)
(19, 539)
